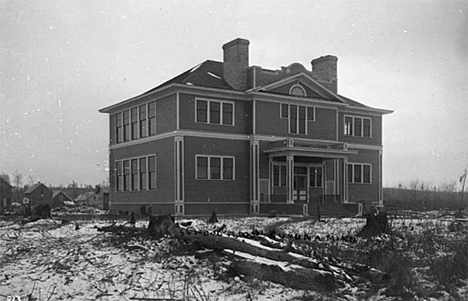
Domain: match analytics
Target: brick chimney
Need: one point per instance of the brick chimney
(324, 69)
(236, 63)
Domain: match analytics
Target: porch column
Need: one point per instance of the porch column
(289, 178)
(254, 177)
(345, 180)
(179, 175)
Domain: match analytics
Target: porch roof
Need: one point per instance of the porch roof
(308, 148)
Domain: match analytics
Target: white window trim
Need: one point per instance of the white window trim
(221, 103)
(119, 136)
(121, 183)
(297, 86)
(362, 172)
(297, 122)
(279, 175)
(353, 127)
(208, 176)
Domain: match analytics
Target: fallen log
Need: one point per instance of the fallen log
(219, 243)
(299, 278)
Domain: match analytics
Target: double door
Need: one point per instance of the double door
(307, 180)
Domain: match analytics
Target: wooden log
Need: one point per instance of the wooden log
(216, 242)
(301, 278)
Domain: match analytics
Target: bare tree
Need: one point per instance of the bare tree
(18, 181)
(463, 182)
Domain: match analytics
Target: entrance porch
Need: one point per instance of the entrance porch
(307, 172)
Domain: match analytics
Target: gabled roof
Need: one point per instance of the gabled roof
(34, 187)
(85, 196)
(5, 181)
(306, 80)
(56, 193)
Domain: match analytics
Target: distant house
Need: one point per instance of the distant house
(39, 194)
(60, 198)
(89, 198)
(5, 194)
(97, 198)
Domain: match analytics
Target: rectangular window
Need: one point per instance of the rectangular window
(315, 177)
(215, 117)
(214, 112)
(302, 120)
(293, 119)
(350, 173)
(359, 173)
(143, 174)
(118, 127)
(227, 113)
(348, 126)
(134, 173)
(152, 172)
(126, 177)
(202, 168)
(126, 125)
(298, 117)
(215, 168)
(228, 168)
(152, 118)
(357, 127)
(367, 127)
(366, 174)
(284, 110)
(310, 113)
(119, 177)
(283, 175)
(276, 175)
(143, 125)
(202, 111)
(279, 175)
(134, 120)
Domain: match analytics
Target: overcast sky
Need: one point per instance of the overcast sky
(62, 61)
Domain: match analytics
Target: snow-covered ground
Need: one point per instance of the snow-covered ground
(46, 260)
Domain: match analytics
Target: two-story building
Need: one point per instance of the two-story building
(242, 139)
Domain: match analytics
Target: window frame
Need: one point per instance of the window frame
(351, 130)
(152, 120)
(119, 127)
(352, 167)
(134, 128)
(133, 178)
(281, 176)
(300, 87)
(221, 111)
(305, 121)
(221, 168)
(155, 179)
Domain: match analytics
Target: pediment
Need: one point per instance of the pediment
(293, 84)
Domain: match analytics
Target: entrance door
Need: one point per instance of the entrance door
(300, 184)
(316, 183)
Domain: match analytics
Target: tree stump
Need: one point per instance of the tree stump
(375, 224)
(213, 219)
(161, 225)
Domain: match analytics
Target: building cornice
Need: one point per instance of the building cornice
(221, 135)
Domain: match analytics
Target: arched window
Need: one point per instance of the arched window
(297, 90)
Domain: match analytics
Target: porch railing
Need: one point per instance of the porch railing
(293, 142)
